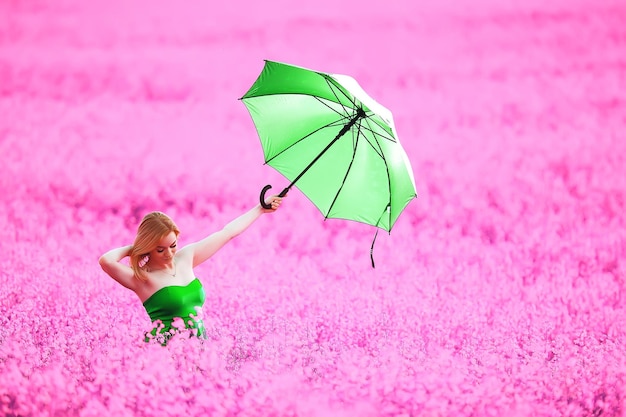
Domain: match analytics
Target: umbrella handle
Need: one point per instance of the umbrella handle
(262, 196)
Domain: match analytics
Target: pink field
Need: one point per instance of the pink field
(501, 291)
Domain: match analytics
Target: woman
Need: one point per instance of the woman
(162, 276)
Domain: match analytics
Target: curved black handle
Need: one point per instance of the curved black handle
(262, 197)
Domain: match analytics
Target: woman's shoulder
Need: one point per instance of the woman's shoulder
(185, 254)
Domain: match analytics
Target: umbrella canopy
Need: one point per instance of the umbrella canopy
(323, 132)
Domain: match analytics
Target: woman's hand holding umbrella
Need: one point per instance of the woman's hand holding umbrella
(272, 204)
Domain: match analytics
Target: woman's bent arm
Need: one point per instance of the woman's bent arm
(110, 263)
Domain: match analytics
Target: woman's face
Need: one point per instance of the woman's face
(165, 250)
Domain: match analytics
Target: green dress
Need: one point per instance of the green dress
(172, 302)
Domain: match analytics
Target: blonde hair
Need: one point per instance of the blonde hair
(154, 227)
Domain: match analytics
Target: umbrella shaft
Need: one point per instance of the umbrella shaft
(360, 113)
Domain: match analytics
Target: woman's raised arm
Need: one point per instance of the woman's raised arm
(207, 247)
(110, 263)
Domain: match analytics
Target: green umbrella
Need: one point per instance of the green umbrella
(323, 132)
